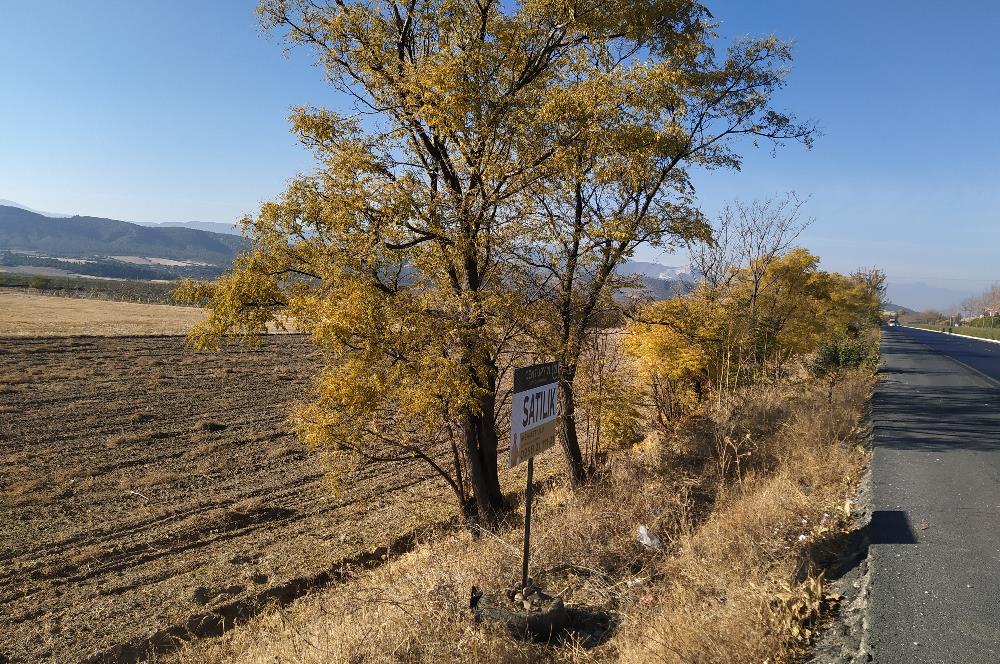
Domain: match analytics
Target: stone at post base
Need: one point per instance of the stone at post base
(546, 618)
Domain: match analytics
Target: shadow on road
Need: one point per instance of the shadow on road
(889, 527)
(911, 419)
(983, 356)
(909, 416)
(839, 555)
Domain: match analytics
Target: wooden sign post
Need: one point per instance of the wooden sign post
(534, 409)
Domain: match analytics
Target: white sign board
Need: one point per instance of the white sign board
(534, 408)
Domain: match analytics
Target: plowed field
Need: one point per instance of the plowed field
(150, 491)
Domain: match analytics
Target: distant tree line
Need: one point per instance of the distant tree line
(110, 268)
(101, 289)
(986, 306)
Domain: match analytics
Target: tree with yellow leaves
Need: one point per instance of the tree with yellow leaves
(750, 325)
(639, 125)
(412, 255)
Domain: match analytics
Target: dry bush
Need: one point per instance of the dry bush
(731, 581)
(737, 587)
(208, 425)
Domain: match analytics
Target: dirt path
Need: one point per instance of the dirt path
(145, 484)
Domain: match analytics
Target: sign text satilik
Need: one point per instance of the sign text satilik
(533, 412)
(532, 430)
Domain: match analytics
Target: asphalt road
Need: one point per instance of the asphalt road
(935, 530)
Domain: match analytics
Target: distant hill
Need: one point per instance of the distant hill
(210, 226)
(4, 201)
(657, 271)
(889, 306)
(660, 281)
(85, 237)
(664, 289)
(923, 296)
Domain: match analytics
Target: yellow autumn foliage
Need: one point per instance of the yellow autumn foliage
(717, 338)
(412, 254)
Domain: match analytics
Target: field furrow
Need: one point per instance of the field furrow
(145, 484)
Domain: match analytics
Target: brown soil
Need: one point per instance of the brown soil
(148, 489)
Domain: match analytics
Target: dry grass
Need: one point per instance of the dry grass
(207, 466)
(125, 439)
(58, 484)
(27, 315)
(85, 556)
(732, 581)
(25, 491)
(151, 479)
(290, 448)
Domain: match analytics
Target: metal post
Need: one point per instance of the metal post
(527, 523)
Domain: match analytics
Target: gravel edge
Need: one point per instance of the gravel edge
(843, 638)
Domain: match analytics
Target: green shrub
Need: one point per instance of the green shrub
(846, 352)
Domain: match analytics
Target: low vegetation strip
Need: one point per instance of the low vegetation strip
(967, 330)
(120, 290)
(730, 570)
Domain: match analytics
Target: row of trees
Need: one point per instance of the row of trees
(101, 289)
(761, 307)
(499, 163)
(986, 303)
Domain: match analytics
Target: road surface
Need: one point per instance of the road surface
(935, 531)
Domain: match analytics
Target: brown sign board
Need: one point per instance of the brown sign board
(534, 409)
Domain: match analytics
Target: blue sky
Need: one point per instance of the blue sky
(154, 111)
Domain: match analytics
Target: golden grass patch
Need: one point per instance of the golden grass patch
(30, 315)
(731, 580)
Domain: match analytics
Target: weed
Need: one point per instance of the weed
(208, 425)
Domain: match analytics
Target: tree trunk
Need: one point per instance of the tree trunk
(485, 489)
(488, 442)
(480, 435)
(567, 426)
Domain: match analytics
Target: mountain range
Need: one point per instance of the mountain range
(659, 271)
(105, 246)
(891, 306)
(4, 201)
(210, 226)
(123, 249)
(41, 241)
